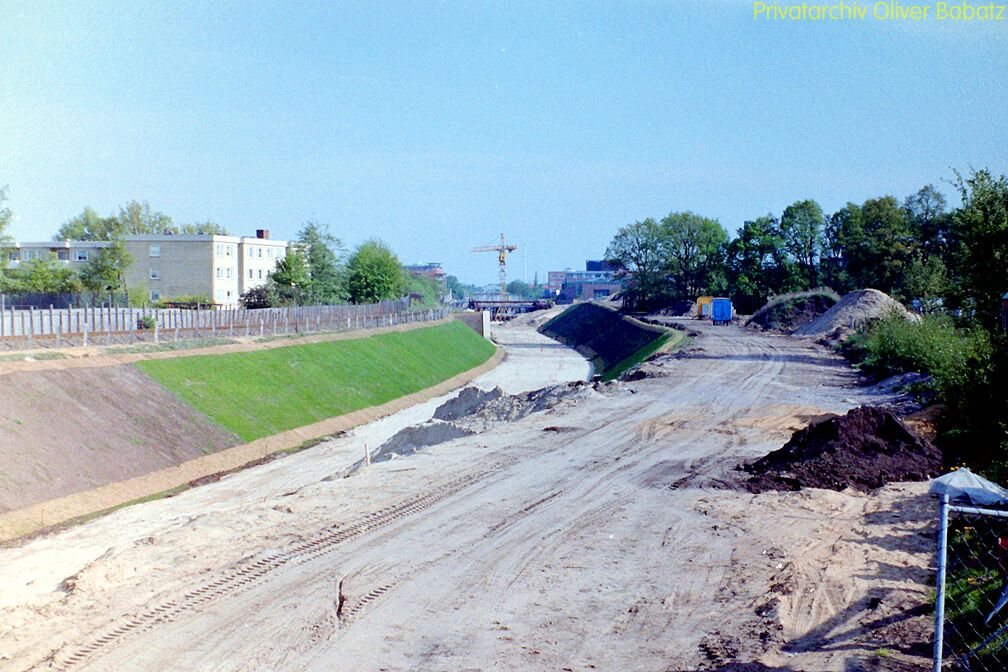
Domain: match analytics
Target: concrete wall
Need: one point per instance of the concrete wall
(478, 322)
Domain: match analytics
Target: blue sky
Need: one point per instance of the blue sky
(436, 126)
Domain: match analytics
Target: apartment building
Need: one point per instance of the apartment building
(257, 258)
(73, 252)
(219, 267)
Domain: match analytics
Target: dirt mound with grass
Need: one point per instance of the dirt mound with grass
(854, 310)
(614, 343)
(864, 449)
(789, 312)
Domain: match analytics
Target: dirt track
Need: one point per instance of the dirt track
(605, 543)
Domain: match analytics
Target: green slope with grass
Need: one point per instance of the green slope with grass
(614, 343)
(256, 394)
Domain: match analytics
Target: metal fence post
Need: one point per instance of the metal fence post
(939, 622)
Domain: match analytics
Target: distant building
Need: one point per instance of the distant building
(599, 265)
(219, 267)
(596, 281)
(431, 270)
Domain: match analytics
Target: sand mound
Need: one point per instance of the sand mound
(407, 441)
(467, 402)
(854, 310)
(863, 450)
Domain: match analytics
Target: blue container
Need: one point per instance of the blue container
(721, 311)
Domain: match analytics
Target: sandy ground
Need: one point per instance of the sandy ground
(606, 542)
(67, 431)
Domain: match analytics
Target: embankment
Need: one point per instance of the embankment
(613, 342)
(81, 440)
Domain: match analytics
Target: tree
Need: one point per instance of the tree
(374, 273)
(929, 222)
(289, 280)
(523, 289)
(6, 217)
(636, 252)
(756, 263)
(842, 229)
(692, 248)
(801, 230)
(134, 218)
(458, 289)
(325, 255)
(206, 228)
(927, 281)
(878, 245)
(979, 233)
(106, 270)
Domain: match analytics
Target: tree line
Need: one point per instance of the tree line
(916, 249)
(317, 269)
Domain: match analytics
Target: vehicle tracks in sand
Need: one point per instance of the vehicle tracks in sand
(246, 573)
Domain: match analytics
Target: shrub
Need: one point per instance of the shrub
(933, 346)
(146, 322)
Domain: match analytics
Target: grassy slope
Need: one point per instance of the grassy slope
(256, 394)
(614, 342)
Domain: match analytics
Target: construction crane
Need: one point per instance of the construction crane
(502, 251)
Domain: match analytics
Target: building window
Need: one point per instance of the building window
(14, 256)
(260, 274)
(155, 251)
(81, 255)
(229, 274)
(269, 253)
(63, 255)
(250, 274)
(260, 252)
(220, 273)
(220, 250)
(227, 250)
(154, 296)
(27, 255)
(251, 250)
(154, 274)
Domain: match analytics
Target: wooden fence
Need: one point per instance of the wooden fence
(105, 324)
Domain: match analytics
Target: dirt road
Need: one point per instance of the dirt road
(595, 536)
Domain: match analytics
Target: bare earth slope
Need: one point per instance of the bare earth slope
(70, 430)
(592, 537)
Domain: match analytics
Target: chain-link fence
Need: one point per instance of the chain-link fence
(971, 606)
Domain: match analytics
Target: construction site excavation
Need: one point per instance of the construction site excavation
(538, 515)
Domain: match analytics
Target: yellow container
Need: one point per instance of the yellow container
(703, 305)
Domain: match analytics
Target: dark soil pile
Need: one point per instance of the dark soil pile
(792, 311)
(863, 450)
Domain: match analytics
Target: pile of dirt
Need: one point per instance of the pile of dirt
(789, 312)
(864, 449)
(407, 441)
(854, 310)
(467, 402)
(475, 411)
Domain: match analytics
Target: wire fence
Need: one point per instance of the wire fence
(971, 606)
(107, 324)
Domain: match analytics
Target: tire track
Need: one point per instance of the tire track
(248, 572)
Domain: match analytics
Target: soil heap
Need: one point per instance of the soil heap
(854, 310)
(792, 311)
(864, 449)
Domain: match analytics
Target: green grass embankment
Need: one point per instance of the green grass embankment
(257, 394)
(614, 343)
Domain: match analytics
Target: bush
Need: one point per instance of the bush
(968, 367)
(146, 322)
(933, 346)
